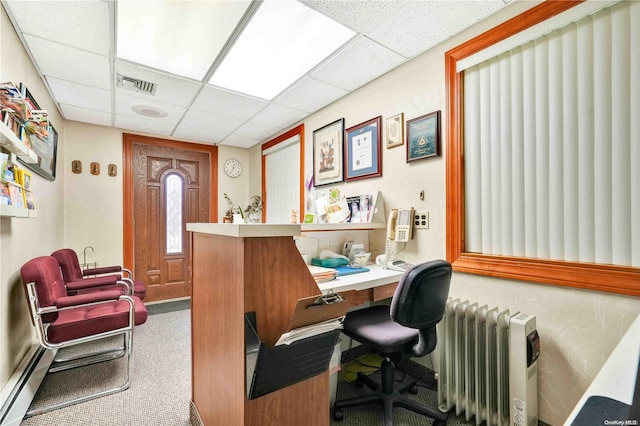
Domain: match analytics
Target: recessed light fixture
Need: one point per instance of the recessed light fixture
(282, 42)
(176, 36)
(149, 111)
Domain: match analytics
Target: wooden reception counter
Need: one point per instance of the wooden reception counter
(239, 268)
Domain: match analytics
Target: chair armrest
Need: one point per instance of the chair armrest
(102, 270)
(88, 298)
(93, 282)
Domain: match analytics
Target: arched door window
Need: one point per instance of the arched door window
(173, 191)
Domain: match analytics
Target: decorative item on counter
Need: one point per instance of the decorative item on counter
(253, 212)
(234, 213)
(294, 216)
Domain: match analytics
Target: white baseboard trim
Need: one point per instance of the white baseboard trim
(19, 391)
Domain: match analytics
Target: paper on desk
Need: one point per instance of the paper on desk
(310, 330)
(321, 274)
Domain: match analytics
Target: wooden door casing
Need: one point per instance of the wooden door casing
(151, 161)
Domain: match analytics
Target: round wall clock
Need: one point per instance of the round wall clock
(232, 168)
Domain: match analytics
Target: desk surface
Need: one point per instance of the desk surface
(617, 377)
(375, 277)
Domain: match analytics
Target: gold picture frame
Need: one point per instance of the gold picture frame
(395, 130)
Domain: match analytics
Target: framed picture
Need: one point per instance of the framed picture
(395, 130)
(423, 137)
(328, 162)
(47, 152)
(362, 150)
(28, 98)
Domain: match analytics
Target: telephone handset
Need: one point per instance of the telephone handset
(399, 225)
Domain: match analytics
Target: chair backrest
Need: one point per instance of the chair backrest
(44, 272)
(420, 300)
(68, 260)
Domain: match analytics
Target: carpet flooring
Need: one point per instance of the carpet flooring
(160, 391)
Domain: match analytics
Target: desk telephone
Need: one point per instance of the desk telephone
(399, 228)
(399, 224)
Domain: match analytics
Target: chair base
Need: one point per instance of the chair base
(88, 359)
(389, 396)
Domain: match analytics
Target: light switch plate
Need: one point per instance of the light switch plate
(421, 220)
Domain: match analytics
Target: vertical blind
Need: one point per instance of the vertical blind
(552, 144)
(282, 175)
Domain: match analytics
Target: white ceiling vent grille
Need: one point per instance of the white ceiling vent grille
(136, 84)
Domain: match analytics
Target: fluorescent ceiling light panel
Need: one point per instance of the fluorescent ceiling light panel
(283, 41)
(181, 37)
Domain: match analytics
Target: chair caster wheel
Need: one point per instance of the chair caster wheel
(414, 390)
(359, 384)
(337, 414)
(439, 423)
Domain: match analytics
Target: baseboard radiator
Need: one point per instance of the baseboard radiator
(23, 385)
(487, 364)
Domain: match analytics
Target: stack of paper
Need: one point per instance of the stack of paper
(321, 274)
(310, 330)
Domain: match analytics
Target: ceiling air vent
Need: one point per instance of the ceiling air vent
(136, 84)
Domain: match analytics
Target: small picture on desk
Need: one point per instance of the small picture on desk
(354, 209)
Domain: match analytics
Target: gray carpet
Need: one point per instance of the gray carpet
(160, 391)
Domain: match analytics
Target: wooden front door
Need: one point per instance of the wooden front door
(170, 187)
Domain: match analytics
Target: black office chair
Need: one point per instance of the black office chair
(405, 329)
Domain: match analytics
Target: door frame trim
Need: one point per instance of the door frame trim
(128, 140)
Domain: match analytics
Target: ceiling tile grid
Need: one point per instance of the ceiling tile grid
(80, 95)
(73, 46)
(70, 63)
(83, 24)
(86, 115)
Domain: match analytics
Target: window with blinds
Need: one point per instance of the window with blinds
(548, 141)
(544, 173)
(282, 180)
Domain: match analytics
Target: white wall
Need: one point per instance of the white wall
(93, 204)
(578, 329)
(23, 239)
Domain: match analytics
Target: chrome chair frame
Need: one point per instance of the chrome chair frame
(85, 359)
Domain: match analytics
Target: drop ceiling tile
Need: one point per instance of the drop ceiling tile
(359, 63)
(195, 134)
(148, 125)
(257, 131)
(279, 116)
(82, 24)
(361, 16)
(216, 126)
(228, 104)
(240, 141)
(428, 23)
(66, 92)
(124, 102)
(310, 95)
(69, 63)
(170, 89)
(86, 115)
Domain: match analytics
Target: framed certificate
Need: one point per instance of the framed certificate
(363, 156)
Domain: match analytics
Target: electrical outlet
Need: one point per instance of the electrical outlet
(421, 220)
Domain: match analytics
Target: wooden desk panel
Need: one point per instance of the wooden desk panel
(383, 292)
(231, 276)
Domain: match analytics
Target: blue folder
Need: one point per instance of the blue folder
(348, 270)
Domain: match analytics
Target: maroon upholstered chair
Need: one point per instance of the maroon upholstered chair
(62, 320)
(98, 278)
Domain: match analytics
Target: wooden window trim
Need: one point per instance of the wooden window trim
(609, 278)
(299, 130)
